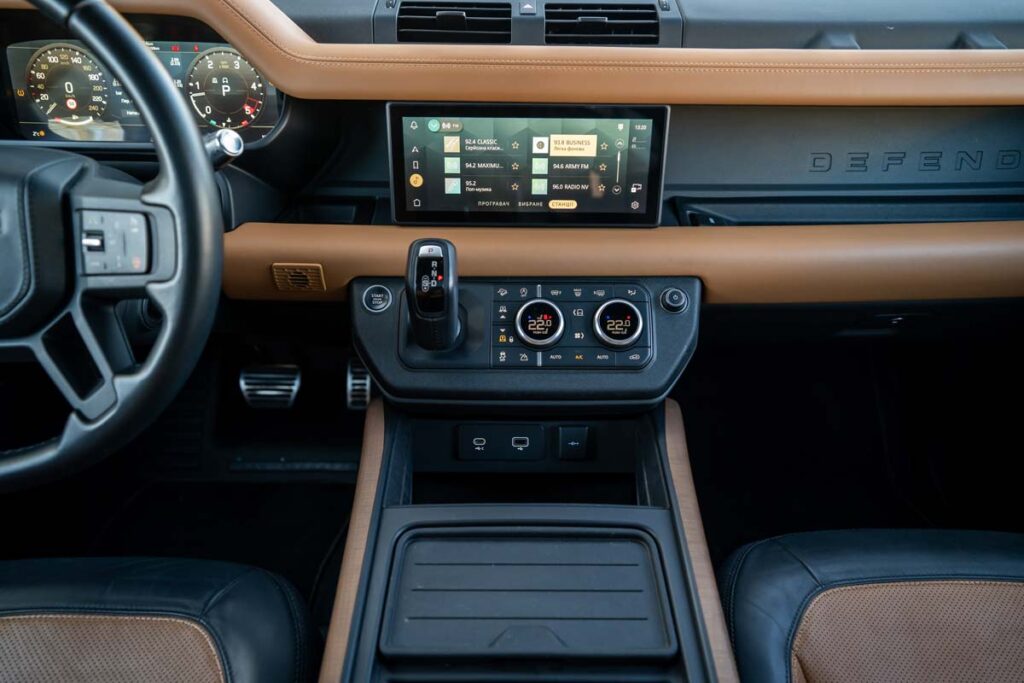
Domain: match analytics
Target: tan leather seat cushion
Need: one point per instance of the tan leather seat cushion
(44, 648)
(927, 631)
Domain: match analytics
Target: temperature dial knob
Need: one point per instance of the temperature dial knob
(618, 323)
(539, 323)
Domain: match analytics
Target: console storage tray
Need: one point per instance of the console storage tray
(527, 592)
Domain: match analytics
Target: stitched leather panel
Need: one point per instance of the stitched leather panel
(86, 648)
(745, 265)
(923, 631)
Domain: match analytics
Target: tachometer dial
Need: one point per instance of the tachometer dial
(225, 90)
(67, 85)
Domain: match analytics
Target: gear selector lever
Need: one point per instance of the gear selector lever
(431, 286)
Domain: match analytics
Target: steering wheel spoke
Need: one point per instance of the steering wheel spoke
(81, 352)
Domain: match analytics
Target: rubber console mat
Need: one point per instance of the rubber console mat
(532, 592)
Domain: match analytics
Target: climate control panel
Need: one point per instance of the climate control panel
(570, 325)
(607, 341)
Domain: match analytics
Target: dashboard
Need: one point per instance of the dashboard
(61, 90)
(795, 139)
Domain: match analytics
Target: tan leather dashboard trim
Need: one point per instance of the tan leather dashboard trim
(738, 265)
(304, 68)
(697, 545)
(352, 561)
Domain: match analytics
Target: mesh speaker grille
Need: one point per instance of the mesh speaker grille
(299, 277)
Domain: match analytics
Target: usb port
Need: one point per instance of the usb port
(520, 442)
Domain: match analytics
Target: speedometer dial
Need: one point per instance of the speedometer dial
(224, 89)
(67, 85)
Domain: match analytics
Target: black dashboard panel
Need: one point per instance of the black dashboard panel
(757, 165)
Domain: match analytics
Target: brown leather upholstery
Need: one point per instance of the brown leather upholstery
(40, 648)
(927, 631)
(301, 67)
(865, 605)
(738, 265)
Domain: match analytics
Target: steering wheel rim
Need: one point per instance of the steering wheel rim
(185, 229)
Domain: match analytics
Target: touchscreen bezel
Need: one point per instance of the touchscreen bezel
(650, 217)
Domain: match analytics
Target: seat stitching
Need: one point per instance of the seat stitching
(96, 617)
(803, 564)
(211, 602)
(298, 661)
(732, 580)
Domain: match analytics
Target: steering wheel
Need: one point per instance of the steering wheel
(76, 238)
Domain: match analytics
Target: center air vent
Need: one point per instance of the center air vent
(455, 22)
(600, 24)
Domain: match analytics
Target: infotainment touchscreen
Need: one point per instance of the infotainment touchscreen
(526, 164)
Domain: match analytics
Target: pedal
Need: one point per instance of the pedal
(358, 385)
(271, 387)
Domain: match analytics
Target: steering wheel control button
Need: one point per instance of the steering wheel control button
(115, 243)
(377, 298)
(674, 300)
(539, 323)
(618, 323)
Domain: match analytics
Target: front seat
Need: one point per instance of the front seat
(861, 606)
(115, 620)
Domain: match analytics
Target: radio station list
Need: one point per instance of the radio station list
(515, 165)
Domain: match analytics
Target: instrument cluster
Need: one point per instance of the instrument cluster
(62, 92)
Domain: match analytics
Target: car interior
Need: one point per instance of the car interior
(451, 341)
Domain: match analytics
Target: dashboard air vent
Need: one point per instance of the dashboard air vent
(455, 22)
(600, 24)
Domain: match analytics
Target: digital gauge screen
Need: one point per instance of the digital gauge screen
(62, 92)
(527, 164)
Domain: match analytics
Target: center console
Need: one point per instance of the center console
(527, 515)
(543, 548)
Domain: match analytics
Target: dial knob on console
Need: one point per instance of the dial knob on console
(618, 323)
(539, 323)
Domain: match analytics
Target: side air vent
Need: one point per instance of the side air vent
(455, 22)
(600, 24)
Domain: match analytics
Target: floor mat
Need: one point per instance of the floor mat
(286, 528)
(788, 437)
